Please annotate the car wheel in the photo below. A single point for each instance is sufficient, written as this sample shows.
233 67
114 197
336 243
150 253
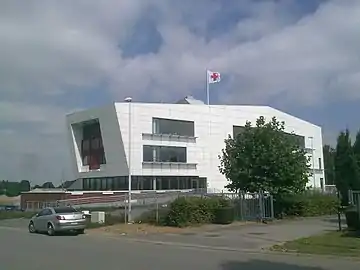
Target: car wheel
32 228
50 230
81 231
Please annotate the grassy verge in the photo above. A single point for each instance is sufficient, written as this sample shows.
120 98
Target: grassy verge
331 243
15 214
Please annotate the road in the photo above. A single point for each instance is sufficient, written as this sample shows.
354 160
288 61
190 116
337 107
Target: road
21 250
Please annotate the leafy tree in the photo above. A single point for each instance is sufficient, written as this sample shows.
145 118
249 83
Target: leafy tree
48 185
264 158
24 185
346 167
11 188
329 164
356 148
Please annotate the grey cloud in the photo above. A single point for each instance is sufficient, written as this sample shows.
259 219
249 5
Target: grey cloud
52 49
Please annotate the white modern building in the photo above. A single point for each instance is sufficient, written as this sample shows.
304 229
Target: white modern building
168 146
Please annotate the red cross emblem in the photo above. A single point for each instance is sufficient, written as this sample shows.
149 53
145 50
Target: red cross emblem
214 76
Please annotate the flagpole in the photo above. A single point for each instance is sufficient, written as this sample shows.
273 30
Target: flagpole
207 88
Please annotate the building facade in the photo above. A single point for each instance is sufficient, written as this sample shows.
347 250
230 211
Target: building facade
168 146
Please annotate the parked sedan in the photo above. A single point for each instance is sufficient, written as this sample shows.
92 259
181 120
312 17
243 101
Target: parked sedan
58 219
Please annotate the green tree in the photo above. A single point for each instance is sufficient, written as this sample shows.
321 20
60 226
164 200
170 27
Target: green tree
48 185
24 185
264 158
12 188
329 164
346 167
356 148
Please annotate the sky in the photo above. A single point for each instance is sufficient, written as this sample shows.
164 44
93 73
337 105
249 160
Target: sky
300 56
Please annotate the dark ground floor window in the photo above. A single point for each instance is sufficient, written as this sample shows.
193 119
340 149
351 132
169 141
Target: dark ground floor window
145 183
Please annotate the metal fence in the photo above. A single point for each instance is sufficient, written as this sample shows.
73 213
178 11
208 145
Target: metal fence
248 206
354 198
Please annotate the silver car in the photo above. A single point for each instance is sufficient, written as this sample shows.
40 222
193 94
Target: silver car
58 219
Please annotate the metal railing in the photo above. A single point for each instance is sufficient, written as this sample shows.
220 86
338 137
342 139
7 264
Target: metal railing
247 206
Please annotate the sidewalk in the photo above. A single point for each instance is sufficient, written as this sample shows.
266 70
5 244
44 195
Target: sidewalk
247 237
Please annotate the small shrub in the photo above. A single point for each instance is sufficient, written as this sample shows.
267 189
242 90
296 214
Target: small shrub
352 218
155 217
224 215
306 204
194 210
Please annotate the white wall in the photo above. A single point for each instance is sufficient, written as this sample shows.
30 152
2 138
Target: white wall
212 125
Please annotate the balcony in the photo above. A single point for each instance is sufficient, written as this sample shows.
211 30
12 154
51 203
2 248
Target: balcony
168 165
168 137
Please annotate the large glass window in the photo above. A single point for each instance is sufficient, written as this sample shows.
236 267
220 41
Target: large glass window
299 140
173 127
92 150
144 183
153 153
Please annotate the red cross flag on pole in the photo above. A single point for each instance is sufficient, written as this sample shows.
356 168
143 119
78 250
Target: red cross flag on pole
211 77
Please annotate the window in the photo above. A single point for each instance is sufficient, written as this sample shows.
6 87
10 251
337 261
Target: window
42 212
322 183
237 130
103 183
64 210
164 154
298 139
92 150
173 127
320 165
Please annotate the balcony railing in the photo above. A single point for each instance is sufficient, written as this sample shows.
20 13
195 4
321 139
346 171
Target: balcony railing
168 165
168 137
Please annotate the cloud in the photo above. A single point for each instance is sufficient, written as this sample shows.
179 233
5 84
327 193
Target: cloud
60 55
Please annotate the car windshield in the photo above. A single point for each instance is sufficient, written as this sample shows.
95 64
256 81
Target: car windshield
64 210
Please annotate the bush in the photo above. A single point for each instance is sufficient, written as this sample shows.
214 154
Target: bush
194 210
352 218
224 215
152 218
307 204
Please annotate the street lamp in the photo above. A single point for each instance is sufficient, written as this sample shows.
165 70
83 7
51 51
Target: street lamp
313 159
128 100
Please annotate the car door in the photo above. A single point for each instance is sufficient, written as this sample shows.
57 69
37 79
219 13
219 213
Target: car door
37 220
45 218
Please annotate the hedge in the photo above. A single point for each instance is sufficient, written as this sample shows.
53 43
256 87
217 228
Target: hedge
307 204
352 218
194 210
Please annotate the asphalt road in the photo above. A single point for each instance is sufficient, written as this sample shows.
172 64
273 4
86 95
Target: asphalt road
20 250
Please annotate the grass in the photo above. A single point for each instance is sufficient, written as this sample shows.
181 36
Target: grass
330 243
15 214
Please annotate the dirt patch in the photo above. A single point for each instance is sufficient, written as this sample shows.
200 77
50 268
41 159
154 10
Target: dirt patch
136 229
143 229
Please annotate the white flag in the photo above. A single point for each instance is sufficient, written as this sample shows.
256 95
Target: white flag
213 77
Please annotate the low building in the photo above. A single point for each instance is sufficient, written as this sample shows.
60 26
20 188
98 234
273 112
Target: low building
169 146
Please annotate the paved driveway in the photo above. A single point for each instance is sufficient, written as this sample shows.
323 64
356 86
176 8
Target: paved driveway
20 250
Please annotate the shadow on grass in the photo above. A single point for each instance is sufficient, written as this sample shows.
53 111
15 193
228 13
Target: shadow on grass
260 265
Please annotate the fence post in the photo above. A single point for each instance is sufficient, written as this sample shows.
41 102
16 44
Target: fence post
157 208
351 198
272 207
125 210
261 205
